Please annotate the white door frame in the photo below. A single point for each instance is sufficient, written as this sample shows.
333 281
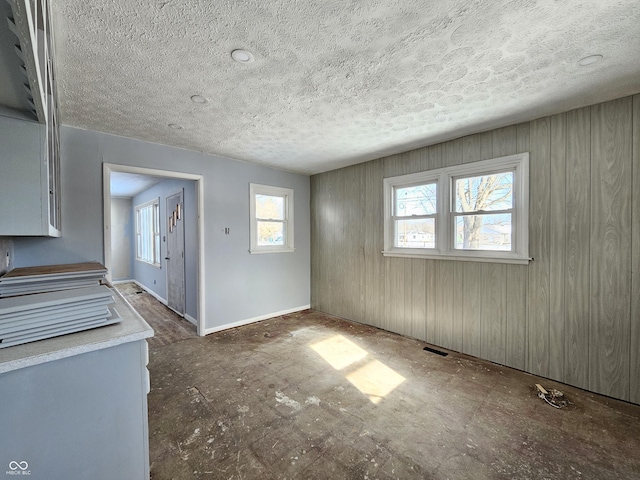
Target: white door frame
107 168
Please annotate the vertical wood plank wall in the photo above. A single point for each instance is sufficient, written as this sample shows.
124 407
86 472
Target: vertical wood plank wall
572 314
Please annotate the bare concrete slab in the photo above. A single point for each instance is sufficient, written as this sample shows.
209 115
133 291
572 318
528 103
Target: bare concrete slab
308 395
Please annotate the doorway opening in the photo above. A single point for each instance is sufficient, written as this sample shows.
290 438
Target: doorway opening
185 298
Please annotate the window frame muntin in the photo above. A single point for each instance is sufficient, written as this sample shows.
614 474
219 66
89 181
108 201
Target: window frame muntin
519 163
288 221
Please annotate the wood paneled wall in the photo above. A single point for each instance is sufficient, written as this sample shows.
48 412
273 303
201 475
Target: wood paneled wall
572 314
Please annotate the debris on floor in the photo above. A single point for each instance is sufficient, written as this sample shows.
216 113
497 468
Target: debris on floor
292 402
553 397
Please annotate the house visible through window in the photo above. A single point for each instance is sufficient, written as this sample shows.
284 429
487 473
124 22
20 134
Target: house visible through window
476 211
415 216
148 232
271 219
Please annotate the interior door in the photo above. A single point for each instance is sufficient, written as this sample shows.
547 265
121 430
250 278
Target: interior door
175 252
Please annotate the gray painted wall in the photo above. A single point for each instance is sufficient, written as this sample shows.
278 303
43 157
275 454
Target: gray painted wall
572 314
238 285
121 239
154 278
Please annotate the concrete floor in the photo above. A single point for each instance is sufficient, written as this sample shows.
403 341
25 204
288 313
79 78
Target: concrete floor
310 396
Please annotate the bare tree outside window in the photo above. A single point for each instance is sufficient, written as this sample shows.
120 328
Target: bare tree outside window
486 205
476 211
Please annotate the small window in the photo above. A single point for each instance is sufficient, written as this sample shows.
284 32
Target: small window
271 226
476 211
148 232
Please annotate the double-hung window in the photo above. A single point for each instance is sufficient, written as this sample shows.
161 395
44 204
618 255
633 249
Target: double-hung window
483 211
475 211
271 211
148 232
414 215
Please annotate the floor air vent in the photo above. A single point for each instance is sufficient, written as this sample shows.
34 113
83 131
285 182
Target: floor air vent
437 352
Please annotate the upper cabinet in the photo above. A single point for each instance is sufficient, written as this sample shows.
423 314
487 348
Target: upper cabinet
29 150
24 180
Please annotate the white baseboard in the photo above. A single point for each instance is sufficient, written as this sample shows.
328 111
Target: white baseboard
151 292
163 301
119 282
191 319
227 326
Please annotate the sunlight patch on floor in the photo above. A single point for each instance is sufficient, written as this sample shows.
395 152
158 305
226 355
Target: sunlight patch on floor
374 379
339 352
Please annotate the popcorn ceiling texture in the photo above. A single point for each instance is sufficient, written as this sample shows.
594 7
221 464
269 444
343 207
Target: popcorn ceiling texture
334 82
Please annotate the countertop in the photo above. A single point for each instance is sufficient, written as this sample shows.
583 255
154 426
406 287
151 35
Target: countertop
130 329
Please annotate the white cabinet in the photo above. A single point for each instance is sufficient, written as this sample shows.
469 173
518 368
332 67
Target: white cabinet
24 180
31 23
29 151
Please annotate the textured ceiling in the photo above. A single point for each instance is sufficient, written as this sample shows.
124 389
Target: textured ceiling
334 82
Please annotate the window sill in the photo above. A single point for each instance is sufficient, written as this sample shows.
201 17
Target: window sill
514 260
279 250
157 265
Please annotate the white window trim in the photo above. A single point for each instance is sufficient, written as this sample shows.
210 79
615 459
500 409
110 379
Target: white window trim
287 193
136 209
444 225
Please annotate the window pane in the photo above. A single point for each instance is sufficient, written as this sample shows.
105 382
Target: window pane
416 200
486 192
156 257
270 233
156 219
419 233
269 207
483 232
147 234
144 232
